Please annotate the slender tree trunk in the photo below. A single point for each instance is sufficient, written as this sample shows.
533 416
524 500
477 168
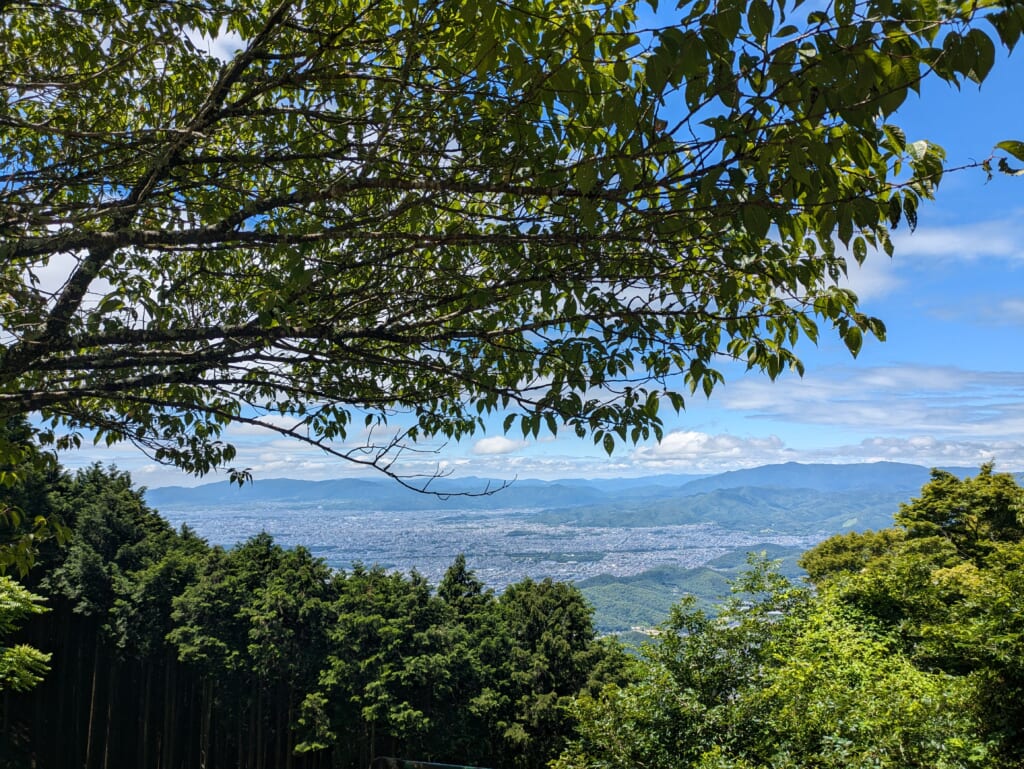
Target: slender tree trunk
111 682
261 738
241 742
147 703
66 688
168 735
79 716
206 705
279 709
289 743
92 704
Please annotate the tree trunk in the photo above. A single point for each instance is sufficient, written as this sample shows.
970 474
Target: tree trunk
168 733
261 748
92 705
207 721
147 701
111 682
289 743
241 742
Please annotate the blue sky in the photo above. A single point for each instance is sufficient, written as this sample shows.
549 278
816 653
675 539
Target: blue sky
946 388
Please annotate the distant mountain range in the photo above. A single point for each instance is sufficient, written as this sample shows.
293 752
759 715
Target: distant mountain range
874 476
812 501
781 497
385 494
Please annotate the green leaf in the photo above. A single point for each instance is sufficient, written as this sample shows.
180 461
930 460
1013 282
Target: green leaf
110 304
727 21
897 138
895 211
986 54
692 56
656 70
918 149
586 177
910 210
860 250
1015 148
844 11
627 172
761 18
756 219
854 339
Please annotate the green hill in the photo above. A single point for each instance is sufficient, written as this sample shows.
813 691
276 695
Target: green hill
743 508
643 600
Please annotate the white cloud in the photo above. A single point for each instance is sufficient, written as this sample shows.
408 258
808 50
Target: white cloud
1005 312
238 430
697 452
682 451
497 444
1000 238
873 279
931 400
881 275
928 451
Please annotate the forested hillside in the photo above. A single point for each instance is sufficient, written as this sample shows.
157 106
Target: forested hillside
156 650
166 652
907 652
645 599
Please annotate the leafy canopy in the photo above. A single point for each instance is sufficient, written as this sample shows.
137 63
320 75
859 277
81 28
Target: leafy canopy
305 213
21 666
780 677
945 584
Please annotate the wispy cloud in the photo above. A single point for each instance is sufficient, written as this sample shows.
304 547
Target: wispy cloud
694 452
682 451
930 400
933 452
1002 312
880 275
497 444
997 238
691 451
875 278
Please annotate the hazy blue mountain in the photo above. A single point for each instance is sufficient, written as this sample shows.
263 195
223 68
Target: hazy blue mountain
748 508
648 485
773 497
877 476
381 494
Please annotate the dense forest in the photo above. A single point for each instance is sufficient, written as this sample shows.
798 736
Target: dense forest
904 649
168 653
131 644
